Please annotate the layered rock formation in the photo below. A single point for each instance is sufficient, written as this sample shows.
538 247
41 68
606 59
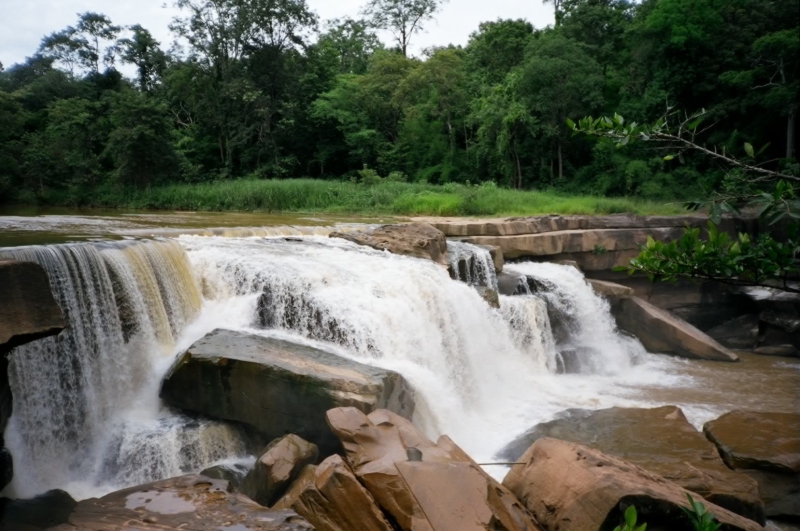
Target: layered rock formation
278 387
765 447
279 465
570 487
660 440
420 240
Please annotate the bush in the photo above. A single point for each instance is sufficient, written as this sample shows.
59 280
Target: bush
397 177
368 177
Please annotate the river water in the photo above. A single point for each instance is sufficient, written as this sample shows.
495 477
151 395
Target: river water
139 288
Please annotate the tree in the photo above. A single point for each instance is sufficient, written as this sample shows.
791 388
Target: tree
65 47
97 31
142 50
558 8
403 18
497 47
353 42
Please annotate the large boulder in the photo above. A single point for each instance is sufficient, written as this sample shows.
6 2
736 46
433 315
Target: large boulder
740 332
278 387
41 512
279 465
766 447
610 290
422 485
330 497
188 503
420 240
570 487
660 440
660 331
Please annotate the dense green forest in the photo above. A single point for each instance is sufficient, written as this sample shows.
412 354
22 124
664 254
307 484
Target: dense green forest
262 89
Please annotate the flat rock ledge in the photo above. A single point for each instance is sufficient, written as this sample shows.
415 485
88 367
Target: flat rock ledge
278 387
420 240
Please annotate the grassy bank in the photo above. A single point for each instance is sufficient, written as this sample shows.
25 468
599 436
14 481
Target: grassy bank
310 195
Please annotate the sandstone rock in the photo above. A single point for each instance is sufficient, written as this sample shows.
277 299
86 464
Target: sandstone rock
512 284
278 387
786 351
279 465
570 263
570 487
489 295
420 240
766 447
330 497
188 503
659 440
610 290
741 332
46 510
422 485
497 257
233 474
659 331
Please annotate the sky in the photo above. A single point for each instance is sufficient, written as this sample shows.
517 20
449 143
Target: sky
24 22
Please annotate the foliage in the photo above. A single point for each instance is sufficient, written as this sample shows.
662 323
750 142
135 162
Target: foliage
403 18
701 519
630 521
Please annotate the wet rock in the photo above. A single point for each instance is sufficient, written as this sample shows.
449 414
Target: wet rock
46 510
419 484
789 322
489 295
188 503
420 240
786 351
659 440
569 263
570 487
740 332
233 474
279 465
497 257
766 447
610 290
660 331
330 497
512 284
277 386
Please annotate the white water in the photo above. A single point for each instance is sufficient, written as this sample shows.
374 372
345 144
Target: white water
471 264
86 413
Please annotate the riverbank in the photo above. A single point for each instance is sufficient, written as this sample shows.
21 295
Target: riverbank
386 198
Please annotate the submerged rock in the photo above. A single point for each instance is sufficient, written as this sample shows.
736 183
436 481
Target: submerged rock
330 497
660 440
279 465
660 331
419 240
188 503
570 487
766 447
423 485
277 386
784 351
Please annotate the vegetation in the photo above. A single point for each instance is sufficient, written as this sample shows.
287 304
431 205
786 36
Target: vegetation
700 518
259 91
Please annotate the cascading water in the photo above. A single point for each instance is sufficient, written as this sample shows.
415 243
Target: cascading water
588 340
471 264
86 410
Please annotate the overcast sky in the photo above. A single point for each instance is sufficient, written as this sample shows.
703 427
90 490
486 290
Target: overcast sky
24 22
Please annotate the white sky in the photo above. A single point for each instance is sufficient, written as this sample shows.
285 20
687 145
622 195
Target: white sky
23 23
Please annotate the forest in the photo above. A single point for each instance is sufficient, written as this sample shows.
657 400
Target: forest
262 90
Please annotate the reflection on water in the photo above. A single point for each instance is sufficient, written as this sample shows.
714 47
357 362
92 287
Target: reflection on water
40 226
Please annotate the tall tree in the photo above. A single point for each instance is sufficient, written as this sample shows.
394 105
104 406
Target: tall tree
99 34
142 50
354 42
403 18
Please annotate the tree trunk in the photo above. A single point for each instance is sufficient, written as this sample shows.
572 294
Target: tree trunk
551 170
790 128
560 163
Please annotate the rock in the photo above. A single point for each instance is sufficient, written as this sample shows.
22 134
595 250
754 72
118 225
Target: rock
233 474
497 257
46 510
512 284
330 497
279 465
789 322
188 503
660 331
419 484
489 295
420 240
659 440
609 289
569 263
277 386
766 447
570 487
787 351
28 310
740 332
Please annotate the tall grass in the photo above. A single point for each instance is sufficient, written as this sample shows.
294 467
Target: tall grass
312 195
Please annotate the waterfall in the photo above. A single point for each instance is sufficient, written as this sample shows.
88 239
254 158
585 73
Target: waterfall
471 264
86 404
588 339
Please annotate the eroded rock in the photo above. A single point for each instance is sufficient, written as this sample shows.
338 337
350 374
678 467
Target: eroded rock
330 497
660 440
188 503
610 289
766 447
422 485
279 465
740 332
277 386
571 487
660 331
233 474
420 240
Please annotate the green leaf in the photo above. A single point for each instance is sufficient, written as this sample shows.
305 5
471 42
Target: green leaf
669 157
570 124
749 150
